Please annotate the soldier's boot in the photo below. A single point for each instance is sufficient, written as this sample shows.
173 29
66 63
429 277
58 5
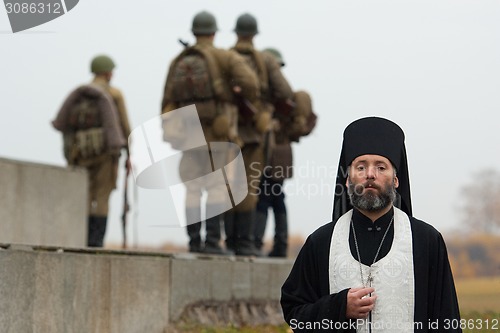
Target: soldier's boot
244 225
229 230
193 229
96 230
213 237
260 228
280 245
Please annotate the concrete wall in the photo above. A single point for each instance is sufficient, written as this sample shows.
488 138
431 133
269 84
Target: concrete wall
69 290
219 280
50 283
42 205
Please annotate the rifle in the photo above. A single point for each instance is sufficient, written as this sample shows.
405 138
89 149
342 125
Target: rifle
285 107
184 43
245 108
126 205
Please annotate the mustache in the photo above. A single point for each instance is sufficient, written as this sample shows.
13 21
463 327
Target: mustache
370 184
359 188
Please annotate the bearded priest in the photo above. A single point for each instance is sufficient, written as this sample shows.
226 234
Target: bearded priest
374 268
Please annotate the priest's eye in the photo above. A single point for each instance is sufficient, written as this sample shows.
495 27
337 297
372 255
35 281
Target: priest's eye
360 168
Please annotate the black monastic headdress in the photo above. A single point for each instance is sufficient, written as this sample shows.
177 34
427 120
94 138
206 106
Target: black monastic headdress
374 136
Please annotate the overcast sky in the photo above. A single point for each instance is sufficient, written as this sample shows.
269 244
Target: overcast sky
433 67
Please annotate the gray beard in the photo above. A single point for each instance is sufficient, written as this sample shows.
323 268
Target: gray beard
371 202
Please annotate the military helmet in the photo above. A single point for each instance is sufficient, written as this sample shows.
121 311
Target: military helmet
277 55
101 64
204 24
246 25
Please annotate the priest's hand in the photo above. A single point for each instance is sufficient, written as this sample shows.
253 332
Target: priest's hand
359 302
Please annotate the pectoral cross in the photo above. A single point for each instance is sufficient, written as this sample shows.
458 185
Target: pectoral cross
369 281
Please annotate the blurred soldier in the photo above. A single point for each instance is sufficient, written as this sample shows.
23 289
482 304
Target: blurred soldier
271 193
254 129
207 77
95 126
291 119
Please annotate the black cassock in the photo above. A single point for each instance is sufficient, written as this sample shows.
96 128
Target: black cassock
306 298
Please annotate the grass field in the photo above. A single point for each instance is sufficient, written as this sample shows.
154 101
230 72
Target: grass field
479 295
479 301
259 329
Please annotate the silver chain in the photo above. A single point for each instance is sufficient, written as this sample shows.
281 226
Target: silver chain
370 278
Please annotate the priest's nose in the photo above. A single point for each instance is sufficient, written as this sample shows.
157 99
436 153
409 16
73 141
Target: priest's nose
371 172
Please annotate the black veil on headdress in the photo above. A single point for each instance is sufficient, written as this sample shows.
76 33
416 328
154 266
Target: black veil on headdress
374 136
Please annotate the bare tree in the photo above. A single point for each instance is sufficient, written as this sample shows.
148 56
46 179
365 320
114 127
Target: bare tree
481 202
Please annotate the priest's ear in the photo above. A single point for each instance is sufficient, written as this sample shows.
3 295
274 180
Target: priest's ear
396 180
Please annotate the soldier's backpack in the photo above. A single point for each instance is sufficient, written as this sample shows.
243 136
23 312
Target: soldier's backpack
195 78
256 62
85 135
303 117
191 78
85 113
